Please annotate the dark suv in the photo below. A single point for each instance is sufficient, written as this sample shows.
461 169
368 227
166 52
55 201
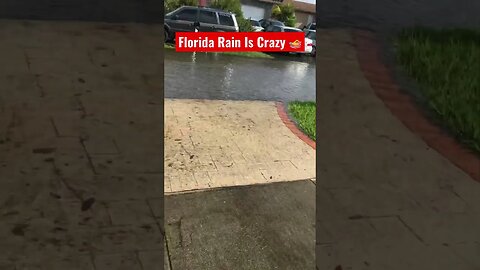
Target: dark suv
187 19
267 24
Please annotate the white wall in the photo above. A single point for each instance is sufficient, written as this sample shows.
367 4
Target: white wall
253 12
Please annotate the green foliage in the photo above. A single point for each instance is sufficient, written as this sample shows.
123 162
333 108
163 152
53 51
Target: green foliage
244 25
235 7
171 5
285 13
276 11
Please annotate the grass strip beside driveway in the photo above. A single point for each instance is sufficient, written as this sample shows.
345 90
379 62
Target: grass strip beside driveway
304 114
446 65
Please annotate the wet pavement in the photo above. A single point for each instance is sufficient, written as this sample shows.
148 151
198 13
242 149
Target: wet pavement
76 192
388 14
386 200
256 227
227 77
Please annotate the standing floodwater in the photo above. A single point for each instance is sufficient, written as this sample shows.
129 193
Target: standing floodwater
221 76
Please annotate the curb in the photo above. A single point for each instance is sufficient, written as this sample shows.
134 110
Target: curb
403 107
282 113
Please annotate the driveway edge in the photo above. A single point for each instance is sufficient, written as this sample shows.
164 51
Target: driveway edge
403 107
282 113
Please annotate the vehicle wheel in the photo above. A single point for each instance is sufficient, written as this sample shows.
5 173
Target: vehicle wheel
314 51
167 36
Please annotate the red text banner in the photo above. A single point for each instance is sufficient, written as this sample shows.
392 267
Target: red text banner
240 41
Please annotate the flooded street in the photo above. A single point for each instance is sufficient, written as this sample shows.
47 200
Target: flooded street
227 77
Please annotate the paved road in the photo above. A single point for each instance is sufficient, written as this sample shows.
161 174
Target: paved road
216 76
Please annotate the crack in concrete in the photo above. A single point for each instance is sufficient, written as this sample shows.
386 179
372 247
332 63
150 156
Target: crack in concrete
411 230
89 158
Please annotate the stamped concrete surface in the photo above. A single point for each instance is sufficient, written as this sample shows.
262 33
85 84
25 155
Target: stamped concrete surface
210 144
257 227
385 200
80 179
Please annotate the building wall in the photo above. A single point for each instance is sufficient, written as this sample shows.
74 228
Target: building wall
375 15
144 11
303 18
266 6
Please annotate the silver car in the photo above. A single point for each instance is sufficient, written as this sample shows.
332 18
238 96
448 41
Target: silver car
312 35
257 27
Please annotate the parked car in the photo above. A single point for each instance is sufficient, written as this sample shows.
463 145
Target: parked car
308 41
268 23
188 18
312 35
310 26
257 27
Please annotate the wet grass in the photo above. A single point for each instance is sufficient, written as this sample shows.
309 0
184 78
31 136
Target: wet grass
242 54
446 65
305 116
249 54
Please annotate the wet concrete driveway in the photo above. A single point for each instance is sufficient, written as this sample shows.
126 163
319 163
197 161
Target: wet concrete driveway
227 77
251 227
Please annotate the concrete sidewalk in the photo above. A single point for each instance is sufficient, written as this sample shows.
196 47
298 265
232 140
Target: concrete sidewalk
211 144
233 199
385 200
254 227
80 184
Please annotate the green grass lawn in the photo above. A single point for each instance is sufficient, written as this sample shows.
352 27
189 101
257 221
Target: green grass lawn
242 54
305 116
446 65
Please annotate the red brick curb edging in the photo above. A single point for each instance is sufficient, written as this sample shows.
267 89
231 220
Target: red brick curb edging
282 113
404 108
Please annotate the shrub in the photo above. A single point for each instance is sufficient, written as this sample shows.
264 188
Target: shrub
235 7
285 13
171 5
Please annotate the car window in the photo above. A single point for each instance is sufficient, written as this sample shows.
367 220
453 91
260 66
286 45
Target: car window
311 35
276 29
187 15
277 23
226 19
254 23
292 30
208 17
313 26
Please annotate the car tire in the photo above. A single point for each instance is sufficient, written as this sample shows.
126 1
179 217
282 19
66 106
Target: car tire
167 36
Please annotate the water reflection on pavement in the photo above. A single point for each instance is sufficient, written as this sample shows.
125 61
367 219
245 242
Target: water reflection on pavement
226 77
